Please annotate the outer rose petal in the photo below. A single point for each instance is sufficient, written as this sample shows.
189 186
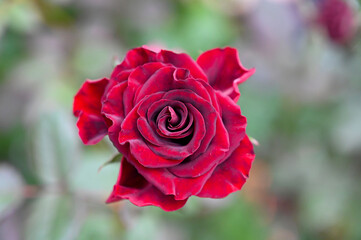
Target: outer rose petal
224 70
233 121
131 185
230 176
133 59
87 106
168 183
92 128
140 56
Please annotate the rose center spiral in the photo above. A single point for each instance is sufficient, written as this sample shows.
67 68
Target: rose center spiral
174 122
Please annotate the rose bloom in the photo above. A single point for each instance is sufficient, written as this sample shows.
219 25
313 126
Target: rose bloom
176 123
338 19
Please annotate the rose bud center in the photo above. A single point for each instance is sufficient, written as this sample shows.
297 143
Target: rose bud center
174 122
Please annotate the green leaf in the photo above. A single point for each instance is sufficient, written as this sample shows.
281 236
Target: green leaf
117 158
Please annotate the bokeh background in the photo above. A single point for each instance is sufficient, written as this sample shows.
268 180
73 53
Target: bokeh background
303 106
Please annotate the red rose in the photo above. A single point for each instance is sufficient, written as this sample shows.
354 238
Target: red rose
338 19
175 121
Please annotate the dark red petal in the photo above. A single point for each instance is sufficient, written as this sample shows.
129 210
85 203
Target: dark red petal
142 73
180 152
88 98
92 128
122 76
233 121
131 185
181 74
141 151
148 157
160 81
205 108
150 133
157 121
133 59
165 79
224 70
230 176
202 161
113 106
179 131
169 184
182 60
129 129
87 106
136 80
212 96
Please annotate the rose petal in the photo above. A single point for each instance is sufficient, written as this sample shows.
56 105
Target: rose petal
233 121
180 152
151 136
130 133
182 60
131 185
230 176
212 96
87 106
165 79
133 59
129 125
202 161
113 106
224 70
205 108
183 129
88 98
158 134
148 157
92 128
153 112
136 79
169 184
160 81
142 73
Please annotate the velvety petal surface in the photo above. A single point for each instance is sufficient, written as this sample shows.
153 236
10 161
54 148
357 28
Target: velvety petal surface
87 106
92 128
167 79
230 176
113 106
214 143
233 121
224 70
168 183
204 160
182 60
131 185
133 59
138 145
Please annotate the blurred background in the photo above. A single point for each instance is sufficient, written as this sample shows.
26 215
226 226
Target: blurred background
303 106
